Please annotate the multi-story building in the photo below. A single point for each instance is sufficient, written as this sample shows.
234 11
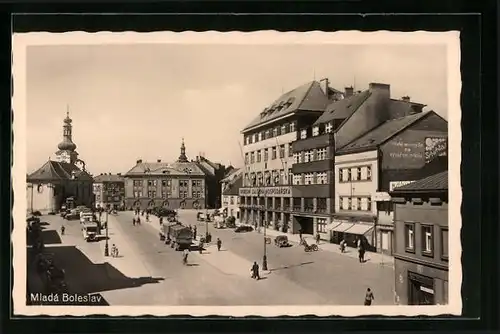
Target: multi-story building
57 182
109 191
230 195
421 252
181 184
214 173
399 150
266 194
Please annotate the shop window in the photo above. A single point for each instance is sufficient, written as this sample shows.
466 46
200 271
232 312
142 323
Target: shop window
410 237
321 223
444 244
427 240
290 150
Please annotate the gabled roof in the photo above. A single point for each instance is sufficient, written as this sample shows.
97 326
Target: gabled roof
436 182
382 133
160 168
307 97
57 171
232 174
344 108
234 186
108 178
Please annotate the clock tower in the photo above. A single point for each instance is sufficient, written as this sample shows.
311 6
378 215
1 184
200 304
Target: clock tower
67 149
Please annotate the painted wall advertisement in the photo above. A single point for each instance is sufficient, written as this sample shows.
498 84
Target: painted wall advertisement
406 150
435 147
267 191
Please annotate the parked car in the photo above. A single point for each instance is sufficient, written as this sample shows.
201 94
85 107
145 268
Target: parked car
200 216
73 215
230 222
243 228
281 241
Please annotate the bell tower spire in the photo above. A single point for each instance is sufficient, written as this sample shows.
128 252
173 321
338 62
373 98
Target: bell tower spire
67 149
182 156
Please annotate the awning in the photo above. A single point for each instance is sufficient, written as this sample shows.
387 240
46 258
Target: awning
342 227
359 229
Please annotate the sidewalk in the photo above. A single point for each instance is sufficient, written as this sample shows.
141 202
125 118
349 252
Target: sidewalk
127 261
382 259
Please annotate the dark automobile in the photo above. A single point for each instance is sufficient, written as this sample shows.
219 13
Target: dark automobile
243 228
231 222
281 241
73 215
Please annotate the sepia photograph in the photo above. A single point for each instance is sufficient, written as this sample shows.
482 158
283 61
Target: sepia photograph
267 173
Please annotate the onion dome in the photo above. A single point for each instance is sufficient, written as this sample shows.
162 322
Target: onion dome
66 145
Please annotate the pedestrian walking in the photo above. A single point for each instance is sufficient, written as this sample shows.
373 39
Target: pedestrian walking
200 247
161 221
133 221
255 271
194 232
369 297
300 235
62 230
318 238
342 246
147 217
219 244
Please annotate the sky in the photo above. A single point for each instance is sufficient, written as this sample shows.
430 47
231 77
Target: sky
133 101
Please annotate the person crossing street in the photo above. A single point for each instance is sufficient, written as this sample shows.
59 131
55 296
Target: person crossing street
219 244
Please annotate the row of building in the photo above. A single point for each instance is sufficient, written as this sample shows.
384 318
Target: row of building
182 184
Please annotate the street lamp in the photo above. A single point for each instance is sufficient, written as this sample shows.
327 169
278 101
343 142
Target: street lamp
106 246
264 258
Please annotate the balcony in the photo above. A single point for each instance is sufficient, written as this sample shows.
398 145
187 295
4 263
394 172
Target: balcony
313 142
313 166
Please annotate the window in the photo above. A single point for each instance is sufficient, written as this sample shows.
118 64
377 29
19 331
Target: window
321 154
349 177
321 223
137 183
275 132
282 177
328 127
273 156
311 155
290 150
247 140
357 173
151 194
290 176
368 172
246 158
410 237
260 136
349 203
303 134
283 129
309 178
163 194
231 200
321 178
444 244
292 127
259 156
166 183
252 157
266 154
315 131
368 204
427 240
260 180
282 151
296 158
253 138
297 179
267 134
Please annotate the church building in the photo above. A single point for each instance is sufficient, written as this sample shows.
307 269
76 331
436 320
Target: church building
62 181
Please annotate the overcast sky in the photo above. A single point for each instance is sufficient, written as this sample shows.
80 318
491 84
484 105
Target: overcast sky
138 101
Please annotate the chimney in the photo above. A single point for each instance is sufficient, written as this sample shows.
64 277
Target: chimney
324 84
406 98
139 161
381 89
159 160
349 91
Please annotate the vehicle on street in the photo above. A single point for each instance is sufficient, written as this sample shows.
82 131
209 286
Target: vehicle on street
165 231
200 216
219 221
309 248
243 228
86 217
281 241
181 237
72 215
230 222
90 231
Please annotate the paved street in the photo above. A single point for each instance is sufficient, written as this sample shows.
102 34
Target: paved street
148 272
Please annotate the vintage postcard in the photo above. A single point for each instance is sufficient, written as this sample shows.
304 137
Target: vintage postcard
262 173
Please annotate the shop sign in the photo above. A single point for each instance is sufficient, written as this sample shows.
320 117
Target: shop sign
267 191
395 184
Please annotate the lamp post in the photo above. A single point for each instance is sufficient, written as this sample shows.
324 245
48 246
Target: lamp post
106 246
264 257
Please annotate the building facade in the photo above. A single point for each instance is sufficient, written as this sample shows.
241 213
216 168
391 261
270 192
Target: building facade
266 194
421 252
230 195
214 173
109 191
181 184
55 182
394 153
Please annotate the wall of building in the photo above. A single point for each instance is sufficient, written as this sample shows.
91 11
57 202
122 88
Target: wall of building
40 197
362 188
232 204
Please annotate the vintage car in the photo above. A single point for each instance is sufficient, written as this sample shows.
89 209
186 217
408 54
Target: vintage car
230 222
72 215
281 241
200 216
243 228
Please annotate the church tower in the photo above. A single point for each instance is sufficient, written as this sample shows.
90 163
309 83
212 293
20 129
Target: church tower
183 157
67 149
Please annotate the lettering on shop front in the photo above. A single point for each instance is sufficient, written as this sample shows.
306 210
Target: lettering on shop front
269 191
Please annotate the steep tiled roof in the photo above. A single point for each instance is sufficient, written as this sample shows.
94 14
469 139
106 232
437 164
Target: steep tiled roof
234 186
232 174
382 133
159 168
56 171
436 182
400 108
344 108
306 97
108 178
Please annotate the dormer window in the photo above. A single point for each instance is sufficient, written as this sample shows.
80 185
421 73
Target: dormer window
328 127
292 127
315 131
303 134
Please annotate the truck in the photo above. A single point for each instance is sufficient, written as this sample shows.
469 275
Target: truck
177 235
90 230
